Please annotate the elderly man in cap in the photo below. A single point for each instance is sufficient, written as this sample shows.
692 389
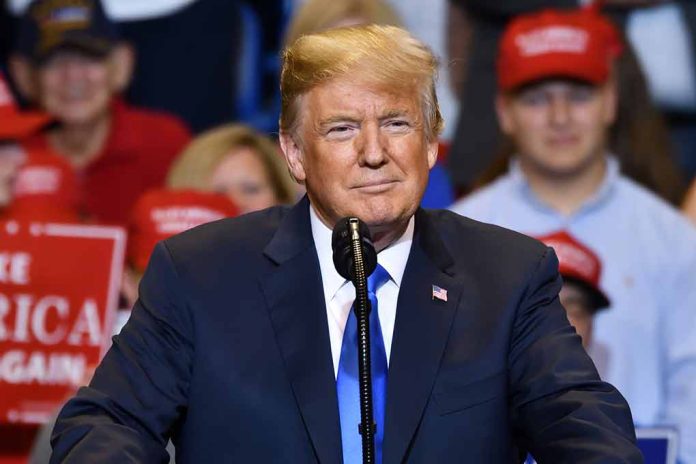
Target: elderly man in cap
242 346
70 60
33 185
557 102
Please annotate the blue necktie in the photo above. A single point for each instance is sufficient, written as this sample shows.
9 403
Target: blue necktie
347 380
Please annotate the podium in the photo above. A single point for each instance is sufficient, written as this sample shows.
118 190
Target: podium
659 445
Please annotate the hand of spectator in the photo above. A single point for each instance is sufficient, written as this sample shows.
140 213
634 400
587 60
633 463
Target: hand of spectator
689 206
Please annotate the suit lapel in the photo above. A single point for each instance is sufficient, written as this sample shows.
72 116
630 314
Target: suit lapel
297 309
420 335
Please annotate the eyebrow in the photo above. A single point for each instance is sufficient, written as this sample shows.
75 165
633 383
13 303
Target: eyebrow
337 119
346 118
393 114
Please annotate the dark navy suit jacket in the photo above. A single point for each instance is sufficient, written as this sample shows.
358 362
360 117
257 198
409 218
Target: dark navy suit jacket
227 351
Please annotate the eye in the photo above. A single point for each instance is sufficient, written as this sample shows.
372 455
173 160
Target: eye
398 125
252 188
581 94
340 132
339 129
533 98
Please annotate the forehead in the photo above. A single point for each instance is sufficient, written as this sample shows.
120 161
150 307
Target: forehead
72 53
242 155
555 84
351 97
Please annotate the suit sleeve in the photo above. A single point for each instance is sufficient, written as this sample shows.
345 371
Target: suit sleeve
562 411
140 388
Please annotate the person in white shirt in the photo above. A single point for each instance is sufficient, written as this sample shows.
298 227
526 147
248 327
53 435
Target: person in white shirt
557 103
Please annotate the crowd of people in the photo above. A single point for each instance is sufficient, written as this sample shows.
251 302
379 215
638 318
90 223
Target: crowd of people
566 131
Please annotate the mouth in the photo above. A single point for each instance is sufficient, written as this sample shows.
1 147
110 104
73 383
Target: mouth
563 140
375 186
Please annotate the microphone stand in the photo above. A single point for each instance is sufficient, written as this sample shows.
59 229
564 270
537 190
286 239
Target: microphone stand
362 307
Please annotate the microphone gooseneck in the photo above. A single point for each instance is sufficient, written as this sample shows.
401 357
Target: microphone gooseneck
355 258
347 234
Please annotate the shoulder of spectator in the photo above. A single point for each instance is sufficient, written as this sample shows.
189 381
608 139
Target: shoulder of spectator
154 122
487 247
479 203
242 238
673 228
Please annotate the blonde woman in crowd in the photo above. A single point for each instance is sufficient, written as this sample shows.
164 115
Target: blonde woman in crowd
319 15
239 162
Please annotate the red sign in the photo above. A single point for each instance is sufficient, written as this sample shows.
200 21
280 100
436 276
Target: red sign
59 288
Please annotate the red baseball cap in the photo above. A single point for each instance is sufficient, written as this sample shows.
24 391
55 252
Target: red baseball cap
159 214
578 264
45 190
579 44
17 124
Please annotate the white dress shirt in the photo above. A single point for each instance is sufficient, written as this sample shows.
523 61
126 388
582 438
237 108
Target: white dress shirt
339 293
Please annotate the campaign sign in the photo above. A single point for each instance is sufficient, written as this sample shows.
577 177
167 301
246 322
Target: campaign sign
59 288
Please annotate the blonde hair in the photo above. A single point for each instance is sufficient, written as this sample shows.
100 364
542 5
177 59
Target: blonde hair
194 166
387 56
319 15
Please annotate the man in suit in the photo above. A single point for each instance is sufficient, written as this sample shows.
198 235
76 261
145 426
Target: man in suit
235 348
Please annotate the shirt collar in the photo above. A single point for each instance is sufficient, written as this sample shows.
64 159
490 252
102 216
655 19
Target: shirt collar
393 258
519 181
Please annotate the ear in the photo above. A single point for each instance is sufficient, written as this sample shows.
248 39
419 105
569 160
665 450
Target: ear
502 109
294 156
611 98
432 153
24 76
122 60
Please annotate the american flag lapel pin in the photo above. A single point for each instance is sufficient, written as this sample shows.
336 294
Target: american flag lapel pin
439 293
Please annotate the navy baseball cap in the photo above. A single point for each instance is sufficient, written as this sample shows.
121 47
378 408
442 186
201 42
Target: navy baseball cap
51 25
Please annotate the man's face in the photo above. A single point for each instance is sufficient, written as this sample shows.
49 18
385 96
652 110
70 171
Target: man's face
361 151
11 157
559 126
578 309
75 88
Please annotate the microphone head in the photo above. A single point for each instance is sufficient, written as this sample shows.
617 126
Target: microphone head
341 242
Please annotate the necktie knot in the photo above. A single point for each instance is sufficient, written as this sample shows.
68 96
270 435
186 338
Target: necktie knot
379 277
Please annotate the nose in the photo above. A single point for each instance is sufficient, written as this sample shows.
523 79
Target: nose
72 69
559 113
372 146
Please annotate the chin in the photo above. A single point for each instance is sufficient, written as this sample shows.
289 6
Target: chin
384 219
561 165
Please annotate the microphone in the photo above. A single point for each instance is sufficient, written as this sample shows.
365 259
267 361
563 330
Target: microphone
355 258
348 236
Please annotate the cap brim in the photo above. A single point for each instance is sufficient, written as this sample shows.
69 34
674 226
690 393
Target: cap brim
93 46
598 299
23 125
